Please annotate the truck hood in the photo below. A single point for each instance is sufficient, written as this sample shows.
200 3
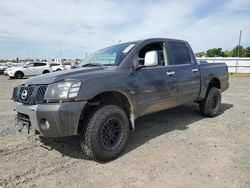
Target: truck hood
78 74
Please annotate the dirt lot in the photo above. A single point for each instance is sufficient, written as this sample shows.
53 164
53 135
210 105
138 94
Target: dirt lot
174 148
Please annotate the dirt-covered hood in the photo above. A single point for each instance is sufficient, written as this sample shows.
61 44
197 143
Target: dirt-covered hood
78 74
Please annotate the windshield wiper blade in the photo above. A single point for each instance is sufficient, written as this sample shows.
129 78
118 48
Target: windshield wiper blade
92 65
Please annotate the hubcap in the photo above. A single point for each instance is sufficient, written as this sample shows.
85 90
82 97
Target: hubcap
112 133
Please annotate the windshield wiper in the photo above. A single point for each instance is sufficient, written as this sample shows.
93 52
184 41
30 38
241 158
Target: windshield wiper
92 65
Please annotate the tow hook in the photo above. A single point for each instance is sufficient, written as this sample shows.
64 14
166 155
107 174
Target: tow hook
22 124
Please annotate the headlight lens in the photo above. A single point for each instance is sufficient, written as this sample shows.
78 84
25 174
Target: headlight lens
62 90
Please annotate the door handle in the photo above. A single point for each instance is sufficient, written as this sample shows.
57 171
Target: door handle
195 70
170 73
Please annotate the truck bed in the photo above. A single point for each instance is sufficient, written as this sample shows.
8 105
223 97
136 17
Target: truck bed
213 70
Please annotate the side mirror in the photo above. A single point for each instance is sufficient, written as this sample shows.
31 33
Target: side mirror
151 59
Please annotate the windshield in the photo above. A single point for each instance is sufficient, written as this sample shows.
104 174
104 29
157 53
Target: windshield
111 56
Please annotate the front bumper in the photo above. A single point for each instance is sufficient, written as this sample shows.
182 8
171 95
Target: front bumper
11 73
63 118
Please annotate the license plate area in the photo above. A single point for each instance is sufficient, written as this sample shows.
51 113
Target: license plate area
23 120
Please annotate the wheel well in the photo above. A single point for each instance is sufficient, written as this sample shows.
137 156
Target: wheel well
111 98
107 98
45 71
215 82
19 72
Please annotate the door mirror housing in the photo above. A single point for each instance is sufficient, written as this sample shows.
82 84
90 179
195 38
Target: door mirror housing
151 59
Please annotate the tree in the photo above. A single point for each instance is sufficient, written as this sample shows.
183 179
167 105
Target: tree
200 54
234 51
227 53
247 52
215 52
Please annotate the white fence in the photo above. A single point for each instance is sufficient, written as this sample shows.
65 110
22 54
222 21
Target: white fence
235 64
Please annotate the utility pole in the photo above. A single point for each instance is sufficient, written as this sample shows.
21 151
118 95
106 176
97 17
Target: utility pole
237 61
239 44
60 50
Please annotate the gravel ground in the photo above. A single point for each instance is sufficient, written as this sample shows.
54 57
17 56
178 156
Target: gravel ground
173 148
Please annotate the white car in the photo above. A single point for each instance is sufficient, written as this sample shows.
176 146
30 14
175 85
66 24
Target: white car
57 67
29 69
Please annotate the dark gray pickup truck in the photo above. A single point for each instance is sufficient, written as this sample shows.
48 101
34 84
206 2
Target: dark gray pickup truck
100 99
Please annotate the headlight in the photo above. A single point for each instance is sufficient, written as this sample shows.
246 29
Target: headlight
62 90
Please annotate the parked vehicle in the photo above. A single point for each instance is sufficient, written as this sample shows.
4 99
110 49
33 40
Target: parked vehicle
29 69
57 67
100 100
202 61
2 68
5 66
67 65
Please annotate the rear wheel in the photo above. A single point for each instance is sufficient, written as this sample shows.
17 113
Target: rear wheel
104 133
210 106
19 75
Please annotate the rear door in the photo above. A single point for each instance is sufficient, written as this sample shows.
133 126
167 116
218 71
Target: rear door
181 59
39 68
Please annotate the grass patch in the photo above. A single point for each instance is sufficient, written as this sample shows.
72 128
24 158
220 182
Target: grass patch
232 75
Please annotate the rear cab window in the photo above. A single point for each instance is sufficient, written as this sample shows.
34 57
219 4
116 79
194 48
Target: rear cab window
178 53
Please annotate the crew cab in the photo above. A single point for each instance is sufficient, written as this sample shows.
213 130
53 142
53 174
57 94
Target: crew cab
29 69
100 100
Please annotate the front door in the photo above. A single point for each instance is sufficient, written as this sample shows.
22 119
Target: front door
157 88
29 69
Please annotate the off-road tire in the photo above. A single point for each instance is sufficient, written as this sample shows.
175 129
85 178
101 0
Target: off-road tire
210 106
19 75
91 134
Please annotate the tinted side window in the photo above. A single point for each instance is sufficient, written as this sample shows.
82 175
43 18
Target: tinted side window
39 64
54 64
179 53
29 65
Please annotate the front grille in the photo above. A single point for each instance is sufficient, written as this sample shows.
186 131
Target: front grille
39 97
30 94
28 98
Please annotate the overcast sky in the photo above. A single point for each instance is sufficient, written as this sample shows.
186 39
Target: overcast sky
39 28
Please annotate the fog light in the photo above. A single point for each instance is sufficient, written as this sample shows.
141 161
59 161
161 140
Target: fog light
44 124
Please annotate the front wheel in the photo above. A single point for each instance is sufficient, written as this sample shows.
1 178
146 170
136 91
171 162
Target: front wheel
210 106
19 75
104 133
